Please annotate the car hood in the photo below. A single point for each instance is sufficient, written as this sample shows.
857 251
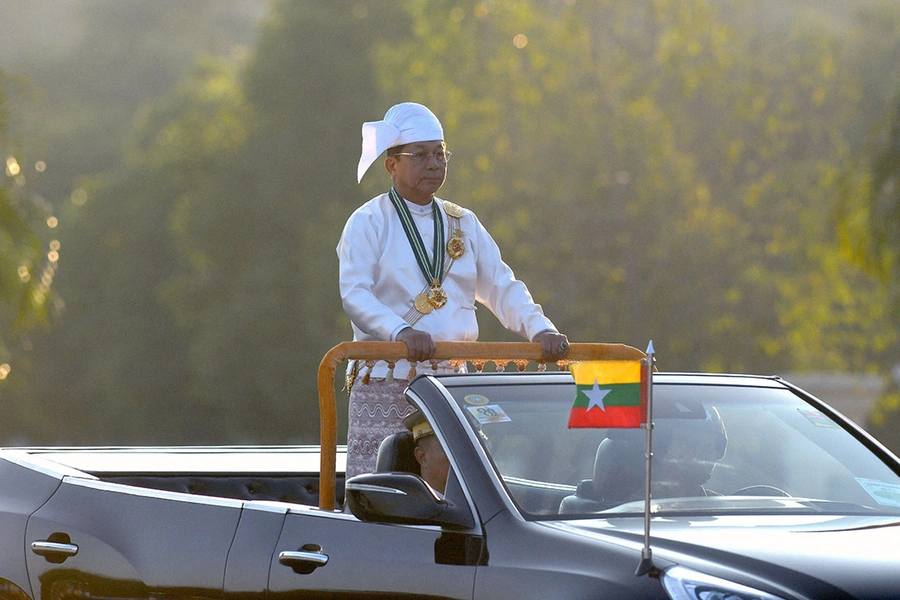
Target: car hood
857 554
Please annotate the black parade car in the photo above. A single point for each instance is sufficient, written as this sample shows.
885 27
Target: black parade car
758 491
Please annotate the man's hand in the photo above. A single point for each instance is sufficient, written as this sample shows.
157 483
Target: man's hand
419 344
554 346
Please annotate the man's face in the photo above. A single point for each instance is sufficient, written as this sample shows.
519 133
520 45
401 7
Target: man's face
415 178
433 462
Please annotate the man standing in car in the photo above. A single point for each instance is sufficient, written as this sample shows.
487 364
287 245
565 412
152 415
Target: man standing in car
412 267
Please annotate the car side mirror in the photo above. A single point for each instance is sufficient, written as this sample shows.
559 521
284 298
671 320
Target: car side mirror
402 498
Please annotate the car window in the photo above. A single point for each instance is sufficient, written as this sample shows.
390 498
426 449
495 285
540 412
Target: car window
716 448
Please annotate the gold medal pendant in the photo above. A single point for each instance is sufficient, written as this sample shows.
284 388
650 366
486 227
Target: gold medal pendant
423 303
456 247
437 297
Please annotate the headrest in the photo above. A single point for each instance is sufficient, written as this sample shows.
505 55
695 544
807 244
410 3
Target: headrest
396 454
619 466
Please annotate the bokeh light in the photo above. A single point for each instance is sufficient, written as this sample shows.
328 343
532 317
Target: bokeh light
78 197
12 167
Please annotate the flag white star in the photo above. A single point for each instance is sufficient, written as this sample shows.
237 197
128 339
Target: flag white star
595 397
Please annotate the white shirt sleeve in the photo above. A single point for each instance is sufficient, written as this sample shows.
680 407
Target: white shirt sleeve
359 252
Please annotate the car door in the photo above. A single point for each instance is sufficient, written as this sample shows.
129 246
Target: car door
335 555
23 491
101 540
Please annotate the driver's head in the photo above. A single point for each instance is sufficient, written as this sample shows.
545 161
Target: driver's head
686 450
429 452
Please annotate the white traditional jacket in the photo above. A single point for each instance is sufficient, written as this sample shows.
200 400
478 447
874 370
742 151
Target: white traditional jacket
380 278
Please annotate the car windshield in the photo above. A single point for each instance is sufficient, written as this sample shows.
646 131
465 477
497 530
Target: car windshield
716 448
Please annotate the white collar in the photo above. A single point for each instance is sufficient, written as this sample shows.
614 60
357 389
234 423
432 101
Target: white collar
418 209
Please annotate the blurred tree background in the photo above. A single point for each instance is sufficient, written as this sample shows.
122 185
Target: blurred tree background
718 176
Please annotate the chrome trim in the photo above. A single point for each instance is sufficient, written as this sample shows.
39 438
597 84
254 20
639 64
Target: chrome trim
288 557
367 487
43 548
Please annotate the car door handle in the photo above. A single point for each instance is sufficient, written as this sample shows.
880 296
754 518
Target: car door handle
55 552
305 560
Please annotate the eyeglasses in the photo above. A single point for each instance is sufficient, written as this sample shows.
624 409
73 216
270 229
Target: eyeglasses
421 158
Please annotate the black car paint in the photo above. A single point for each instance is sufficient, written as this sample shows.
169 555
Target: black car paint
139 543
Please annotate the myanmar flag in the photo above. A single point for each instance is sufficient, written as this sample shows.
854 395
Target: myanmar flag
609 394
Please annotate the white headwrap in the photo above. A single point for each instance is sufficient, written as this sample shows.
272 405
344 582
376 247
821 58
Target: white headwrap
403 123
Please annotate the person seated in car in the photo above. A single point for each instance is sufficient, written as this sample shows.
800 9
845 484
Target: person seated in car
685 453
429 452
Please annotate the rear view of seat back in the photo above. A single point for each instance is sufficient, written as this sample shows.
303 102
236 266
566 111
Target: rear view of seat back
619 475
619 467
396 453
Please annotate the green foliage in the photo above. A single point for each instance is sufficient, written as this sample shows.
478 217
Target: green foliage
201 267
649 170
869 212
656 170
117 365
125 259
881 207
26 268
884 422
870 217
257 294
20 250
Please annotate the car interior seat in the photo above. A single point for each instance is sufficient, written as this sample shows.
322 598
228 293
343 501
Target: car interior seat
618 477
396 453
620 467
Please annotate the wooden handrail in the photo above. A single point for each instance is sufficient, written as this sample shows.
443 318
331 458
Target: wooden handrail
497 352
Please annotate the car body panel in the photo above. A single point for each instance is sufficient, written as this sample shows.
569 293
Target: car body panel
369 559
715 544
250 557
542 561
131 543
32 488
801 544
507 535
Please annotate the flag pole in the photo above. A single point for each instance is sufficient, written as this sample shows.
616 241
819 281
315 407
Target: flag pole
646 564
